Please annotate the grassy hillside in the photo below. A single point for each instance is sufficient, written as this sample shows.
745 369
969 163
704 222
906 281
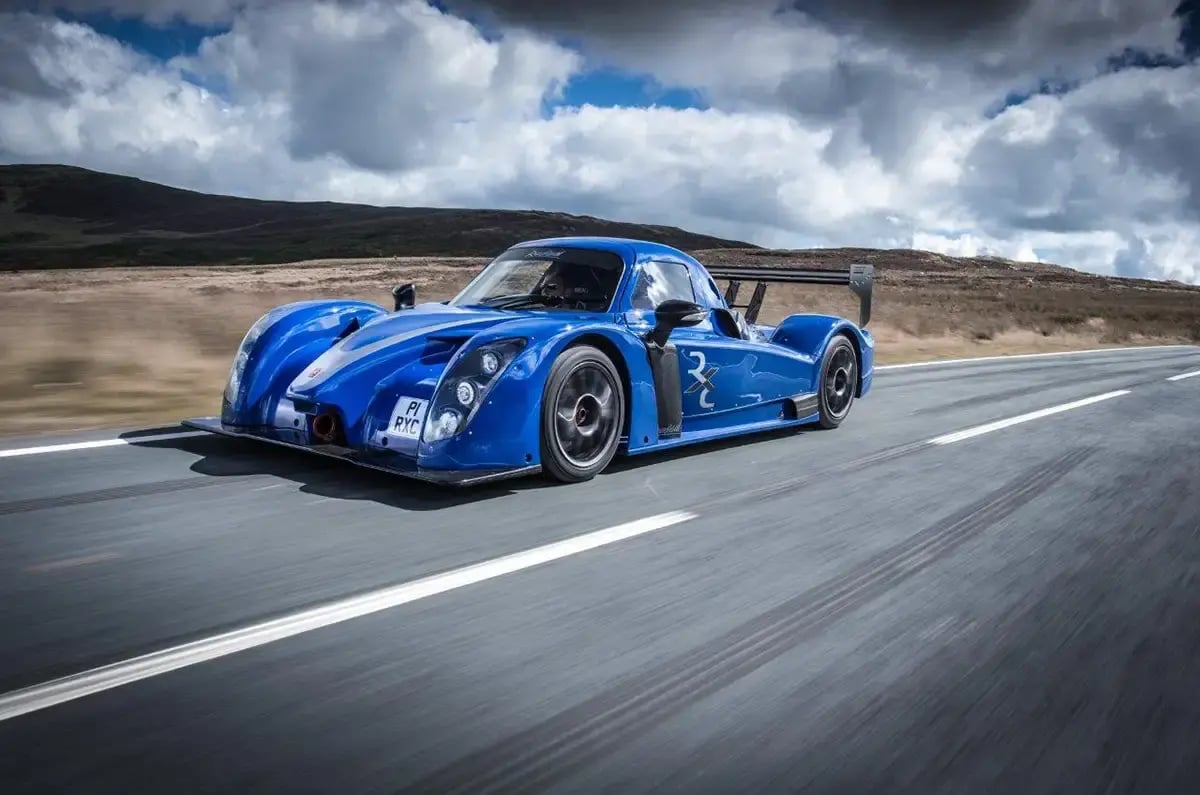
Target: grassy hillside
61 216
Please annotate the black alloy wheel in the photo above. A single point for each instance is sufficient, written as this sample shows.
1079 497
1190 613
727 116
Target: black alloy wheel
583 406
838 382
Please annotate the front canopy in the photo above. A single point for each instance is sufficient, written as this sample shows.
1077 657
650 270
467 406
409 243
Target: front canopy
555 277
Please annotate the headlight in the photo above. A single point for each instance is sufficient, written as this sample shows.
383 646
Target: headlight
489 362
443 426
465 386
242 357
465 393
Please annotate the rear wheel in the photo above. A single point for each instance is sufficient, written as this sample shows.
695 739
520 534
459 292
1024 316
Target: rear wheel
582 409
838 382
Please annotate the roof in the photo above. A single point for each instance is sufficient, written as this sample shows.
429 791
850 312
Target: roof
626 247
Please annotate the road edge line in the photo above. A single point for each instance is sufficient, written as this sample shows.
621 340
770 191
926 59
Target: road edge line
1020 356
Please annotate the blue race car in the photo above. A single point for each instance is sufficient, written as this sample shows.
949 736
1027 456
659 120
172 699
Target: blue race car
559 355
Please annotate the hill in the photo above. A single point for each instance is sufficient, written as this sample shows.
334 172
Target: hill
60 216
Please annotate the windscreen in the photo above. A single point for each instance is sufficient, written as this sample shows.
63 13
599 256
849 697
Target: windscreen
578 279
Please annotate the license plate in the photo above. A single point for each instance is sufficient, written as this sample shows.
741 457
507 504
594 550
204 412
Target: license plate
407 417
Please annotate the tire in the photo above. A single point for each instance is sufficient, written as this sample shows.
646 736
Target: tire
580 427
837 383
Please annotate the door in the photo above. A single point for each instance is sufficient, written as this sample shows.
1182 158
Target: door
725 379
730 381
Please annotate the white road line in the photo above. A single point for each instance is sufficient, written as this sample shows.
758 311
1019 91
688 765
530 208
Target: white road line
97 680
979 430
60 448
1019 356
1182 376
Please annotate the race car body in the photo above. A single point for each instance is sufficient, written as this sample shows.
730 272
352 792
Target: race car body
559 355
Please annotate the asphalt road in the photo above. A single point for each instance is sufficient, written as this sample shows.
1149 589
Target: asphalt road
880 607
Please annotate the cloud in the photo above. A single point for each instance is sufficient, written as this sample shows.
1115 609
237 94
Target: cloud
381 85
103 105
1000 39
849 125
1151 121
1009 37
201 12
1115 156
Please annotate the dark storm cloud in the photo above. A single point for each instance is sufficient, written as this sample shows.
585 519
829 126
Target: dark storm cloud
999 35
963 25
923 21
932 20
952 23
155 11
865 102
1189 34
1158 130
1119 154
583 18
19 74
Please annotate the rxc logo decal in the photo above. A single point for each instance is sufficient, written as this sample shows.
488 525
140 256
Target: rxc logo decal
703 379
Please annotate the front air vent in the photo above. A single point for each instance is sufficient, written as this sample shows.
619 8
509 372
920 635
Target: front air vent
439 351
350 328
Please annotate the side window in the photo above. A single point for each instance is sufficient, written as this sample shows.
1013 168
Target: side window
709 293
660 281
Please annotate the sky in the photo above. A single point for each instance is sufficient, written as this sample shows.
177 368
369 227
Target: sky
1063 131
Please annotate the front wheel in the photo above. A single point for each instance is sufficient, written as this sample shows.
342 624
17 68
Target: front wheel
838 382
582 408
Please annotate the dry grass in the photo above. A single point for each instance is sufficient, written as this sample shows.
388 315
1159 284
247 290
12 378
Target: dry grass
113 347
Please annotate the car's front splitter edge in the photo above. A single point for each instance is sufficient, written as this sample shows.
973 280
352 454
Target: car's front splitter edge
448 477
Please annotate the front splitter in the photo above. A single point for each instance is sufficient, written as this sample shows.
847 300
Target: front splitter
382 462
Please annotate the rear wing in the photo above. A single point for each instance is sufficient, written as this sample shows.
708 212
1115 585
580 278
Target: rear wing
859 278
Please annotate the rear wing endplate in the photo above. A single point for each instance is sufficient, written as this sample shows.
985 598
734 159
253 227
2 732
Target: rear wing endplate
858 277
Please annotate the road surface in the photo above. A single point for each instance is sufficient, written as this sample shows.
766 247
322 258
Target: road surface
957 591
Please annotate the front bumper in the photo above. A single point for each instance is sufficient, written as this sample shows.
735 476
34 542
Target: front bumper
381 460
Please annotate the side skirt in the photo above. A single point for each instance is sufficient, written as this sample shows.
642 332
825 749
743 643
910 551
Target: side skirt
697 437
805 405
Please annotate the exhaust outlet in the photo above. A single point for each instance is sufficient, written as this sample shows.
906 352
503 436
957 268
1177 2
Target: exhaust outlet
325 427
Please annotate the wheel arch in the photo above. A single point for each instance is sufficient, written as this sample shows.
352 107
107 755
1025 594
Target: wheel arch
290 337
811 334
627 352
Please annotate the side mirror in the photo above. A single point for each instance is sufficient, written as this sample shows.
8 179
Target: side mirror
405 296
673 314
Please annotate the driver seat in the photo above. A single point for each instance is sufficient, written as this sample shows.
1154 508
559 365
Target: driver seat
568 280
